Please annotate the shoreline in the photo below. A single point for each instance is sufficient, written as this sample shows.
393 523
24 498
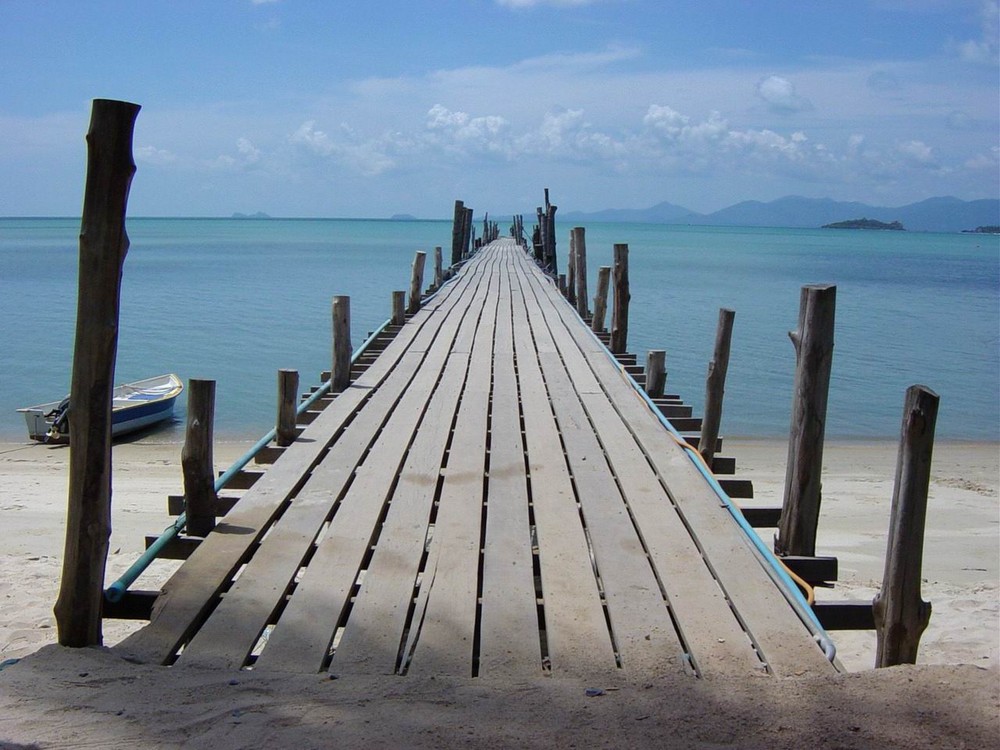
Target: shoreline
961 569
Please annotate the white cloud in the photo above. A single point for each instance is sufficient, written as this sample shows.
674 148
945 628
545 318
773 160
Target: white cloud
154 156
984 50
780 96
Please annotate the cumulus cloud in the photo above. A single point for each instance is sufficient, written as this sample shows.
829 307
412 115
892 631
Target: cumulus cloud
984 50
367 156
154 156
780 96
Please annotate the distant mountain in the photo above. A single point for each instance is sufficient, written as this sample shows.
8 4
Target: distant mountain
946 214
258 215
402 217
661 213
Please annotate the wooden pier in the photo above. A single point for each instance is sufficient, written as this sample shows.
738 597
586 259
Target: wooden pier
491 497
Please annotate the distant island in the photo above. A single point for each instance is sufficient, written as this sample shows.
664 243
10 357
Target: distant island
403 217
983 230
865 224
258 215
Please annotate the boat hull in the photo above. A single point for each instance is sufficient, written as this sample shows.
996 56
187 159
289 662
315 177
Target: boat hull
134 406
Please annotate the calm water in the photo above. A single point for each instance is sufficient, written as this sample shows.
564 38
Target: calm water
235 300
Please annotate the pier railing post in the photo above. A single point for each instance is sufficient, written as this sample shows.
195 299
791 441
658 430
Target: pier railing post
901 616
813 343
571 270
398 308
601 299
340 372
715 386
288 393
438 268
619 313
580 261
197 461
103 246
656 373
469 234
457 233
416 281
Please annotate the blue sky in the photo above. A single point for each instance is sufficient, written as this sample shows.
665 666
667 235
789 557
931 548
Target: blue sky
343 108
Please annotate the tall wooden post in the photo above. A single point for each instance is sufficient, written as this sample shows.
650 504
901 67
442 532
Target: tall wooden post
571 270
416 281
813 343
601 299
398 308
340 373
901 616
656 373
103 247
580 261
715 386
469 232
197 461
457 233
288 393
438 268
619 313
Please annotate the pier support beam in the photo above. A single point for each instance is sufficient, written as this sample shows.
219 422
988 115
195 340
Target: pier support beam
288 392
580 261
656 373
619 314
103 246
398 308
416 281
197 461
715 386
601 299
813 343
340 372
901 616
457 233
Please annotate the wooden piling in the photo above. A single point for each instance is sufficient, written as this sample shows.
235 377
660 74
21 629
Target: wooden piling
469 232
571 270
416 281
901 616
438 268
197 462
601 299
457 233
398 308
103 246
656 373
288 393
813 343
340 372
715 386
580 261
619 313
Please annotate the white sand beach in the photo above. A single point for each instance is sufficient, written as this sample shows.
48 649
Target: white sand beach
961 579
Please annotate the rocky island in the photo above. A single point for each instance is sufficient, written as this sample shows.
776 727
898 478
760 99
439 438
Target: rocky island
865 224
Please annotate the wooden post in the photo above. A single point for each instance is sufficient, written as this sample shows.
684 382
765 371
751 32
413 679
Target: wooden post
340 373
457 233
715 386
469 233
813 343
398 308
900 614
416 281
619 313
438 269
656 374
103 246
601 299
196 458
571 270
288 393
580 261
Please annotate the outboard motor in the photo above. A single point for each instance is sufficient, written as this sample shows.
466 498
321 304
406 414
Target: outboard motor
59 431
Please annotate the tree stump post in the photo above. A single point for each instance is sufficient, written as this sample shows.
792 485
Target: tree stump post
813 343
656 373
601 299
715 386
416 281
901 616
103 247
619 313
580 261
288 393
438 268
398 308
197 461
457 233
340 372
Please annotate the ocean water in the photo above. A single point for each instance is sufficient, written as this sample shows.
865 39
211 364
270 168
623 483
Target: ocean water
235 300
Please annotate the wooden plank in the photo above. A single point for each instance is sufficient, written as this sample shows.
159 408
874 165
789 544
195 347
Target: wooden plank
783 640
509 642
577 635
303 636
192 590
711 633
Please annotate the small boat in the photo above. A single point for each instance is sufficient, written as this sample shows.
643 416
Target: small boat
134 406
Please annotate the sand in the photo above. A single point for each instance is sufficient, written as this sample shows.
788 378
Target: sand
55 697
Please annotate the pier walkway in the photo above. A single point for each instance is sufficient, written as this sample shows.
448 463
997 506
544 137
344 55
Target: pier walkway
491 497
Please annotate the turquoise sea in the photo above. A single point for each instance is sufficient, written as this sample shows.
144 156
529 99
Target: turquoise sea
235 300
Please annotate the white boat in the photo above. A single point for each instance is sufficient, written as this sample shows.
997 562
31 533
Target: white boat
134 406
